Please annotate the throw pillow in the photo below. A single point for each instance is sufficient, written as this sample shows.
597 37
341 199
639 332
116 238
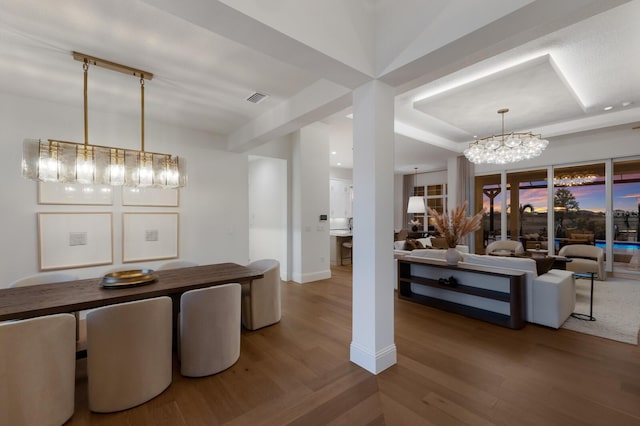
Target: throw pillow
439 243
412 244
409 244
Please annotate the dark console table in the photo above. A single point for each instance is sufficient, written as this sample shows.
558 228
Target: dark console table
496 296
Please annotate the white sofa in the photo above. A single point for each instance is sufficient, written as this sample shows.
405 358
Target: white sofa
550 298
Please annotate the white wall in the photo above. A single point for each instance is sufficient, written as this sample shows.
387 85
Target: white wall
268 211
340 173
310 199
213 207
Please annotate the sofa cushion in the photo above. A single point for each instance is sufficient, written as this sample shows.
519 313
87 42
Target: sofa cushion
398 245
520 263
429 254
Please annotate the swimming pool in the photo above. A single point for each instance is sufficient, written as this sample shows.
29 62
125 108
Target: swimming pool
619 245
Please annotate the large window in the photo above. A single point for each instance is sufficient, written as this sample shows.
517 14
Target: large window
488 195
528 207
579 204
626 212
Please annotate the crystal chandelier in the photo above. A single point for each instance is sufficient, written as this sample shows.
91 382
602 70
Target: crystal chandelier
505 148
70 162
574 179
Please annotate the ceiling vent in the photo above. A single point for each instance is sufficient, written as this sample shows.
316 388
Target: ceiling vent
257 97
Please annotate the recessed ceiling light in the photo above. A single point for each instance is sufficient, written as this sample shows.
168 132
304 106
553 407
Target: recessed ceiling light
333 152
626 103
608 108
339 164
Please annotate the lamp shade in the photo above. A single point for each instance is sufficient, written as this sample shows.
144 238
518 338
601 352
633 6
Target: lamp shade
416 205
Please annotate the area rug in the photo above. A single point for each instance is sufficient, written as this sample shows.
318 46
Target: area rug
616 307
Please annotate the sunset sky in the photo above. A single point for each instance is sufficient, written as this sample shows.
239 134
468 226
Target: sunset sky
625 197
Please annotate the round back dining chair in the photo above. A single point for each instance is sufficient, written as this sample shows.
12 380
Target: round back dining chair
46 278
209 329
261 304
175 264
128 353
58 277
37 369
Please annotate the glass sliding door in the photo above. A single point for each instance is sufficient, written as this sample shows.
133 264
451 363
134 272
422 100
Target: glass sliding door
528 221
579 205
626 212
488 195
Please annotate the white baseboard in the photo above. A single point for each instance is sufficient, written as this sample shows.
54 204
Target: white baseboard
310 277
373 362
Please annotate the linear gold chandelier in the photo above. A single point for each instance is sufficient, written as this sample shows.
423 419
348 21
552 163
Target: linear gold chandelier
53 160
505 147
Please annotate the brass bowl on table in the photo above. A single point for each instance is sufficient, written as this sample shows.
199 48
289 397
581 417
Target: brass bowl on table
130 278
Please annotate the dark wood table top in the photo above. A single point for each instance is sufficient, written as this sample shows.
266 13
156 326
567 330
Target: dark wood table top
47 299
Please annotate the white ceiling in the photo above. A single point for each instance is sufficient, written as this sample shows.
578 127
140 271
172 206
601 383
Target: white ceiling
555 65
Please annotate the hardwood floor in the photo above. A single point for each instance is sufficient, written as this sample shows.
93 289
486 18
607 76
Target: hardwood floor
451 370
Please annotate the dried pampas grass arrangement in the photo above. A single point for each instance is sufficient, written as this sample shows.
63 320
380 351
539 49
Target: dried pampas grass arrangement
458 225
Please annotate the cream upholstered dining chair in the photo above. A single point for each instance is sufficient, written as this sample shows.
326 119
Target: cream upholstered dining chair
261 305
57 277
37 370
514 247
128 353
46 278
209 329
585 258
175 264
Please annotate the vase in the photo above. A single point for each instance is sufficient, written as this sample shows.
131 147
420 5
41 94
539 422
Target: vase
414 228
452 256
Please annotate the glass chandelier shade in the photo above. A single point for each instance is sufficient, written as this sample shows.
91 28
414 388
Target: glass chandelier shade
70 162
505 147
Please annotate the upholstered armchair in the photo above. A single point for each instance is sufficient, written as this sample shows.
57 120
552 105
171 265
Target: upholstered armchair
515 247
585 258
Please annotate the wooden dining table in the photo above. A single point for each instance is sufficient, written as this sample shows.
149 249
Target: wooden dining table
72 296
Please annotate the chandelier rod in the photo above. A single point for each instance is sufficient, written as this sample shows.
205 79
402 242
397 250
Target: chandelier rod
85 67
502 112
142 111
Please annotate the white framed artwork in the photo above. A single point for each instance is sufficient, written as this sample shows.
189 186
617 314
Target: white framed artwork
152 197
149 236
74 240
74 193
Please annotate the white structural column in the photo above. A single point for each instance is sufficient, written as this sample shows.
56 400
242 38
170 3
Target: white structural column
372 345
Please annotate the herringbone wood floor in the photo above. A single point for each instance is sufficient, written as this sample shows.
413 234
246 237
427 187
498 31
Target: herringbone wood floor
451 370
